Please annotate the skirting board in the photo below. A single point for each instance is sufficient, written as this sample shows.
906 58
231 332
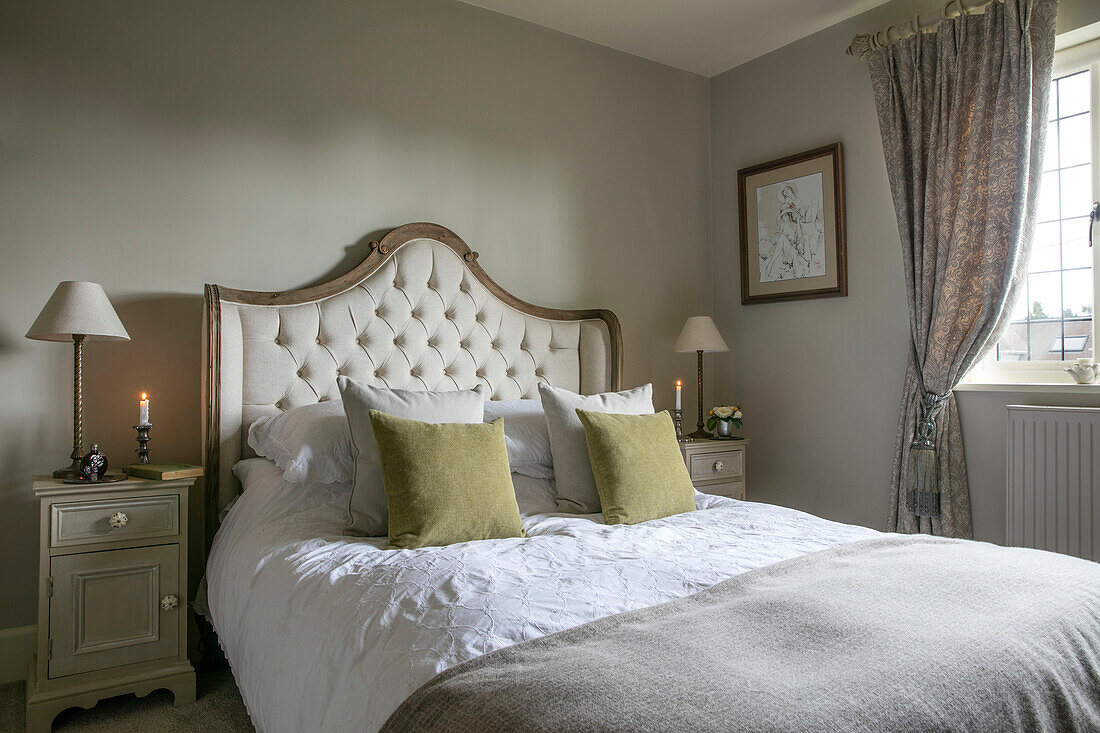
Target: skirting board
16 648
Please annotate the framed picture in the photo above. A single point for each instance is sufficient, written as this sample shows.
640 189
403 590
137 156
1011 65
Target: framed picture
792 227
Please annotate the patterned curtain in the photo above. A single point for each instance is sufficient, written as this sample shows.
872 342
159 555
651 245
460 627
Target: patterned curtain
962 113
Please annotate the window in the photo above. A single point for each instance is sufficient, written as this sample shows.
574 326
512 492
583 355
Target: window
1052 321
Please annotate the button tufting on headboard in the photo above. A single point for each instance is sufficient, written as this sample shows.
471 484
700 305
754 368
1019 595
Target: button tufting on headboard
418 313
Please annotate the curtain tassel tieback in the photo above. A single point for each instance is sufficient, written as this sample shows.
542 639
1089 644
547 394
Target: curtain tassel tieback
923 481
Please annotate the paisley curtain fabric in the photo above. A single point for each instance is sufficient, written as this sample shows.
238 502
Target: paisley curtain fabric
962 113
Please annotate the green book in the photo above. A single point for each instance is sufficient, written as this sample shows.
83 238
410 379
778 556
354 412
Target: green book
164 471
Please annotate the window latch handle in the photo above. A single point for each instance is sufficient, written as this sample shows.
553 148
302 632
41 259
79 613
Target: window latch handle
1094 216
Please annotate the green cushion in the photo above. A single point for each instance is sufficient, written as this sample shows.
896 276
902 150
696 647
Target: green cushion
445 483
640 472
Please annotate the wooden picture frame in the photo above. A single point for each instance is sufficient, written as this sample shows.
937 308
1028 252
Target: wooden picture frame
792 227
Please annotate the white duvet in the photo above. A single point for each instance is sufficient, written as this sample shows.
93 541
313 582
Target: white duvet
330 633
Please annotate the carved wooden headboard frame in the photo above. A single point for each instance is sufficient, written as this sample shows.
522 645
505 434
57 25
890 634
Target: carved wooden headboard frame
577 349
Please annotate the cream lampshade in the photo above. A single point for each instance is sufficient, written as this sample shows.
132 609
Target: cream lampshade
700 335
77 311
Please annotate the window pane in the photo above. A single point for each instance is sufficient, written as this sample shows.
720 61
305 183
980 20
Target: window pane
1044 296
1077 294
1013 345
1073 94
1075 243
1050 156
1087 351
1052 318
1046 247
1078 340
1046 340
1048 197
1074 135
1076 191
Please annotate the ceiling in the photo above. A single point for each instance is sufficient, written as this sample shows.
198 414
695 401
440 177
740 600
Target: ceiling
703 36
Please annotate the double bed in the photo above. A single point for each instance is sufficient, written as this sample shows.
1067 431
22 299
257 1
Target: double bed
329 632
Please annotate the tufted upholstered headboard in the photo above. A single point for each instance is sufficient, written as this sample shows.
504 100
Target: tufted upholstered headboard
417 313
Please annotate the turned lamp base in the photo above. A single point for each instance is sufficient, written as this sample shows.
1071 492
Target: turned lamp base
700 432
70 472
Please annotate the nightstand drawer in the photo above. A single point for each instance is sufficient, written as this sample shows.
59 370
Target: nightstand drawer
107 520
717 465
731 489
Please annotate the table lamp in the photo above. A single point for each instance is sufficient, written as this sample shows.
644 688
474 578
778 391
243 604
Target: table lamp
79 311
699 335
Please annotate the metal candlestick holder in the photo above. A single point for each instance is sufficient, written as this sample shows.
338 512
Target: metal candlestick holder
143 443
678 420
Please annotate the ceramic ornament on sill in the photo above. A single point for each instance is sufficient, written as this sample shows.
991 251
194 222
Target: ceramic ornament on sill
1085 371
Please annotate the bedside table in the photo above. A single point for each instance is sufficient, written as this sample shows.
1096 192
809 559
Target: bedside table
716 466
112 584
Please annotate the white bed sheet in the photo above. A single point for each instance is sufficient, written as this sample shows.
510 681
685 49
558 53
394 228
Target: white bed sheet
330 633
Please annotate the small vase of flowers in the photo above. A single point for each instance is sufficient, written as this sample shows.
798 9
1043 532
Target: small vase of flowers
722 419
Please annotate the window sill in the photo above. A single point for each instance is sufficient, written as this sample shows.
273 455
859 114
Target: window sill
1033 387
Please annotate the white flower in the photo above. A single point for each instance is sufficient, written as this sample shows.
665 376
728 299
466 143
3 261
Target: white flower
723 412
736 414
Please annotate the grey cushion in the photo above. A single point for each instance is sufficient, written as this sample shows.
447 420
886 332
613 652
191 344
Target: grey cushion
572 470
367 513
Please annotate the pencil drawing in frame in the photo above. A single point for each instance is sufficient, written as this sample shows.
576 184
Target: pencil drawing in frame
792 227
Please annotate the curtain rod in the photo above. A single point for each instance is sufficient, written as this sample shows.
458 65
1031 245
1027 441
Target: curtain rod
866 43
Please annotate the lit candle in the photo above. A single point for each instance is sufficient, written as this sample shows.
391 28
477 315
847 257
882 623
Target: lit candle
679 392
143 410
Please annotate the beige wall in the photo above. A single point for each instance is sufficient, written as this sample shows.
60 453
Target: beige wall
261 144
154 147
821 380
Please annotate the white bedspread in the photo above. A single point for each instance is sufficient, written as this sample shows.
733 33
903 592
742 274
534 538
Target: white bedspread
331 633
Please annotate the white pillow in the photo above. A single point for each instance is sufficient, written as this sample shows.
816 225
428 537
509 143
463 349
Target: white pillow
310 443
367 512
534 495
525 435
572 470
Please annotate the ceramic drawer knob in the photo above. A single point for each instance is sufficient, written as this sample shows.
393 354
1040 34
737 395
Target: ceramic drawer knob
118 520
169 602
718 466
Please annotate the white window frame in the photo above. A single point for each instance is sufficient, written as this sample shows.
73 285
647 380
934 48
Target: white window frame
1081 55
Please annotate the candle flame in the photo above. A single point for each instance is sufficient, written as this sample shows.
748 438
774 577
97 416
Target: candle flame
678 383
144 396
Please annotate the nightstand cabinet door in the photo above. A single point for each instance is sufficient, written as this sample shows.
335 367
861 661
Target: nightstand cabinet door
106 609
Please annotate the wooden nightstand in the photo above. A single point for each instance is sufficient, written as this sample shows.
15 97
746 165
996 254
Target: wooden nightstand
112 605
717 466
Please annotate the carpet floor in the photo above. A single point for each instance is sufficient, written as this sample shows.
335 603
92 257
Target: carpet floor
217 707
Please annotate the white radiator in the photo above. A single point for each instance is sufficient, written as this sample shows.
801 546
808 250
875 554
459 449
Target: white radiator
1053 479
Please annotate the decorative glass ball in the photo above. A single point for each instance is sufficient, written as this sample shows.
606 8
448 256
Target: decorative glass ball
94 465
